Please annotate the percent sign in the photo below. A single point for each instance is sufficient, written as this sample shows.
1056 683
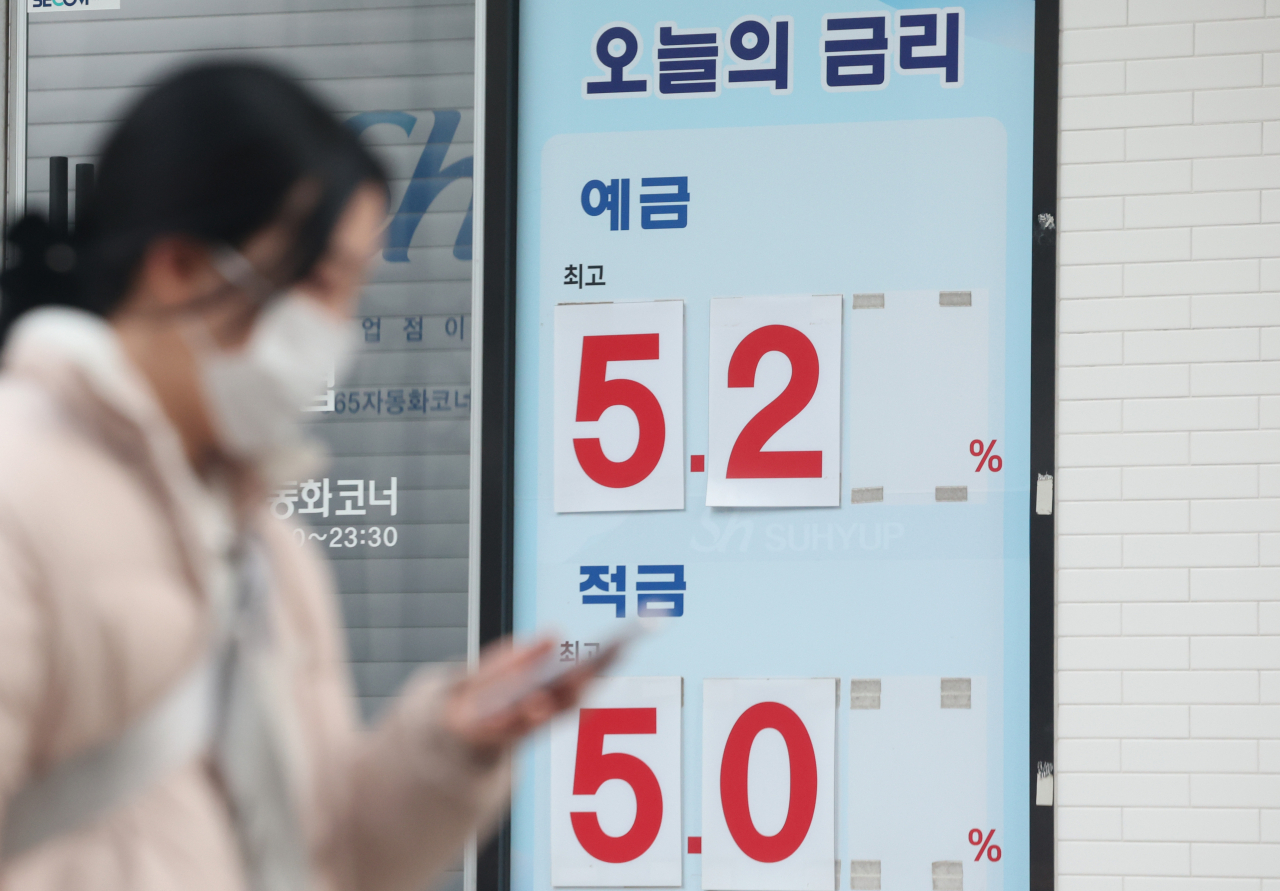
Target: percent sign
992 461
992 851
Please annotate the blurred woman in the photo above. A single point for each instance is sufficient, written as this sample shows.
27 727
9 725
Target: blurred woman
175 707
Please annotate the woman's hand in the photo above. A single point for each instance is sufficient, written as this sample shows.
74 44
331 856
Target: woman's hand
494 707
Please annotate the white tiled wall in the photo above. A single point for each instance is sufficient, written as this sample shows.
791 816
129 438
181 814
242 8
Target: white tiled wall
1169 446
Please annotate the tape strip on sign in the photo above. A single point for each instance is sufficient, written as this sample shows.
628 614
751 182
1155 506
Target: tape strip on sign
864 693
868 495
868 301
1044 784
951 493
864 875
948 875
1044 494
955 298
957 693
71 5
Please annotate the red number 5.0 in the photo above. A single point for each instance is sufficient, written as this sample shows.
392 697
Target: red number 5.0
594 768
795 789
804 782
627 732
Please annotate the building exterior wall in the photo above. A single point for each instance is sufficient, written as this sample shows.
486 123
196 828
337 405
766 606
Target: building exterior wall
1169 446
1168 482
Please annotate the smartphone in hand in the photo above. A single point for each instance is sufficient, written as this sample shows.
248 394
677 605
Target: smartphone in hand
550 673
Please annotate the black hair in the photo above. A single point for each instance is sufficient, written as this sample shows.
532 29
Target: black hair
214 152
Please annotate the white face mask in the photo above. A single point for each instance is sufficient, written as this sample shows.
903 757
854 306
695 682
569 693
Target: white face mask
255 395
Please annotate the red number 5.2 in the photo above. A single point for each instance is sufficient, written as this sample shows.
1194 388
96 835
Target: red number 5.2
748 459
595 394
593 768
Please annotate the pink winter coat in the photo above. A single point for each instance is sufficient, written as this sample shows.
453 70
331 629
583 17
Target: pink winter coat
104 558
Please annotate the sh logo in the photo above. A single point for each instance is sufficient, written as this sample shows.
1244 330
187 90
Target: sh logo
429 179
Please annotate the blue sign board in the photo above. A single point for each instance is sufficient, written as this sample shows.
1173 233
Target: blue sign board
773 397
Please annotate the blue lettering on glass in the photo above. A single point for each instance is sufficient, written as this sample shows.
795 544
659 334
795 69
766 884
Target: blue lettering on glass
615 198
854 50
947 56
665 210
750 43
595 578
617 83
429 180
670 602
686 63
663 597
865 55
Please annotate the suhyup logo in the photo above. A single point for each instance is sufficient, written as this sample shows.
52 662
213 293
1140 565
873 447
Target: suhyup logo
61 5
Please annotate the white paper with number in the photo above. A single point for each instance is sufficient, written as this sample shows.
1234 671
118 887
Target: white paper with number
615 804
771 764
777 443
634 467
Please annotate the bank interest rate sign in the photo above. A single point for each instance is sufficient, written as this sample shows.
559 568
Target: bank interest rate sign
772 395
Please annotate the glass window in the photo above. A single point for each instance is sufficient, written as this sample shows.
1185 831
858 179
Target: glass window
391 512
